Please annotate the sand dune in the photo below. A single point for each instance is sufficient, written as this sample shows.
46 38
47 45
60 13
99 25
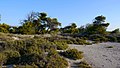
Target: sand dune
100 56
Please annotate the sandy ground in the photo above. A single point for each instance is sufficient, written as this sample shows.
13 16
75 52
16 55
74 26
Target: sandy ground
99 56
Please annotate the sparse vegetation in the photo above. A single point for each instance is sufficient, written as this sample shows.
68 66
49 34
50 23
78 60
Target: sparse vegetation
110 47
30 52
72 54
84 64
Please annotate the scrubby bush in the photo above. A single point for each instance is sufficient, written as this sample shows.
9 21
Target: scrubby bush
75 41
98 38
118 39
12 56
112 38
84 64
61 45
32 52
5 37
55 61
78 41
2 59
82 42
69 42
109 47
72 54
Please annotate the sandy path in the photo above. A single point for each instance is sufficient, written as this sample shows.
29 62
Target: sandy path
99 56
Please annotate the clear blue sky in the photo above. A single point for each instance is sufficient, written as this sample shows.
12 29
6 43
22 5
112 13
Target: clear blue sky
67 11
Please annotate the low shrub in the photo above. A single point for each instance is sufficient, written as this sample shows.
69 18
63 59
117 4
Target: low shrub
109 47
98 38
61 45
78 41
12 56
74 41
82 42
95 42
112 38
69 41
72 54
54 60
2 58
84 64
118 39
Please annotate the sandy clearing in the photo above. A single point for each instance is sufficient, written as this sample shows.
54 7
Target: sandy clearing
99 56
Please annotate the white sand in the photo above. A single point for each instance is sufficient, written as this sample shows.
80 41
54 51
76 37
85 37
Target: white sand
99 56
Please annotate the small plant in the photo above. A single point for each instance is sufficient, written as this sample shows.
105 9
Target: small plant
73 54
109 47
95 42
84 64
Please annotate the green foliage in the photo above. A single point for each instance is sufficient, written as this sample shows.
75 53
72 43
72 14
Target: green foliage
39 23
2 58
95 29
55 61
70 40
82 42
84 64
112 38
13 29
11 53
28 28
61 45
71 29
4 28
118 39
12 56
4 37
77 41
99 20
81 29
31 58
37 52
72 54
98 38
116 31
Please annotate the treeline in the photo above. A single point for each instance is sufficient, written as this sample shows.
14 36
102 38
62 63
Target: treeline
36 23
40 23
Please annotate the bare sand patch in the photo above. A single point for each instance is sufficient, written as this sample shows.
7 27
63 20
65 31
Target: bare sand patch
100 55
